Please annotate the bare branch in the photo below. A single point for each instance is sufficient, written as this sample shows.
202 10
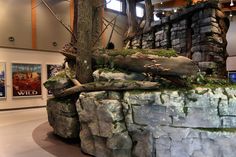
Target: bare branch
114 28
112 23
58 19
103 4
104 29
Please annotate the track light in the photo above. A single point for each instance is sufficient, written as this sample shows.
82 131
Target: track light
232 3
231 14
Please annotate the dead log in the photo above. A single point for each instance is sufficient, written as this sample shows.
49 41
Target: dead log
108 86
148 63
143 61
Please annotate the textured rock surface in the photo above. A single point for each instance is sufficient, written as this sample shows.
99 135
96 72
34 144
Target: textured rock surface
63 118
102 75
103 131
192 123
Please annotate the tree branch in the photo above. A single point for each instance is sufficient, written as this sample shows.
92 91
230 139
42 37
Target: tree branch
58 19
108 86
104 30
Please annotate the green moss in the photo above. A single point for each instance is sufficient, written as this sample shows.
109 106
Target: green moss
157 52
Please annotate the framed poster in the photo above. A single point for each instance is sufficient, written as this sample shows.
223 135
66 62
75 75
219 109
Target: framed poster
52 70
2 80
26 79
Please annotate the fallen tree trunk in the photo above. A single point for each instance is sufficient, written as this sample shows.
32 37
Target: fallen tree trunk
142 62
108 86
148 63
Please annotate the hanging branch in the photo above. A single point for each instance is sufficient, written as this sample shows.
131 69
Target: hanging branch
59 20
113 27
112 23
104 29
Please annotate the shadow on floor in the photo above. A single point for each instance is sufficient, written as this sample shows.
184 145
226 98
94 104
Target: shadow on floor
44 137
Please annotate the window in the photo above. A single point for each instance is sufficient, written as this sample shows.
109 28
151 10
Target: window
116 5
139 11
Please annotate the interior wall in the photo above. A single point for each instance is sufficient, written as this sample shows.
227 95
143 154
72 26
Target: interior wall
231 47
15 21
49 29
10 56
119 31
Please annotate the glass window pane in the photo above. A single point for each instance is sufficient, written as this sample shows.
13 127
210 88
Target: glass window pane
139 11
114 5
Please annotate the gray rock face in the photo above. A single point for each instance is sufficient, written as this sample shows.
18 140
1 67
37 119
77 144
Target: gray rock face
194 123
101 75
104 133
63 118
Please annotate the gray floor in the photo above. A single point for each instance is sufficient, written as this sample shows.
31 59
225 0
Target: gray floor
26 133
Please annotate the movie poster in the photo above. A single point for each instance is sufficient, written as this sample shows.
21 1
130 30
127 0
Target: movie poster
26 79
52 70
2 80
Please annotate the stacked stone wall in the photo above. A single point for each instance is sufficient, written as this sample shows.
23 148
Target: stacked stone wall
198 32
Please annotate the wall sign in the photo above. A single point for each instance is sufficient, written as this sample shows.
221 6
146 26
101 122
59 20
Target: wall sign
52 70
2 80
26 79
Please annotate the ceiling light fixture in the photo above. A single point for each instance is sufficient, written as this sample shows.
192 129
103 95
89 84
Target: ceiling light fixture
175 10
231 14
232 3
161 2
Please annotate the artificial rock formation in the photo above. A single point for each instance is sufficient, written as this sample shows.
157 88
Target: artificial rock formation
142 123
170 123
197 32
63 117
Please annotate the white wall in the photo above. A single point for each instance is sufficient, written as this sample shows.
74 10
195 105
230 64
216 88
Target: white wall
26 56
231 47
122 23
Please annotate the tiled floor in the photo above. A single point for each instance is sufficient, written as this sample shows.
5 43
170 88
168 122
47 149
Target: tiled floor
26 133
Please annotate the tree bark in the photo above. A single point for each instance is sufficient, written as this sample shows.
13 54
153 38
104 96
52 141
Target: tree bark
148 15
97 22
74 37
84 42
108 86
144 63
132 22
147 63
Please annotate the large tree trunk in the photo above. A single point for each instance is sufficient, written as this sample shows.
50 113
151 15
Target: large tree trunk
84 42
97 22
132 22
74 37
148 14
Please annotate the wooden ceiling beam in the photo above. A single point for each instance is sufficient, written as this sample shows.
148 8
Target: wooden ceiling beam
171 4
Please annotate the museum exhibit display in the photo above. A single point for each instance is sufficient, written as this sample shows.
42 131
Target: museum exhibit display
26 79
2 80
166 94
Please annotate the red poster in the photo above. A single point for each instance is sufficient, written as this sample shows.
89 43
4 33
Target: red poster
26 79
